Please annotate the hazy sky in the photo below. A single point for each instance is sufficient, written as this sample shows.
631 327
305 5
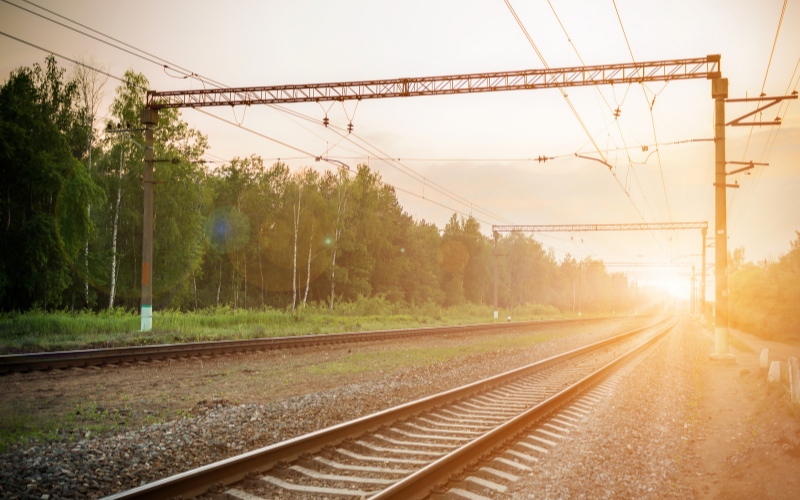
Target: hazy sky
248 43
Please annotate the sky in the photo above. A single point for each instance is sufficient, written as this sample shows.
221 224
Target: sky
251 43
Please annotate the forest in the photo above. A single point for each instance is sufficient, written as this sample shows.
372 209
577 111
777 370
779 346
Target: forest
243 235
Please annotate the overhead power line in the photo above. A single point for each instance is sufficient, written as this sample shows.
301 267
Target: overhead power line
541 58
569 39
154 59
306 153
616 119
764 158
73 61
650 107
750 134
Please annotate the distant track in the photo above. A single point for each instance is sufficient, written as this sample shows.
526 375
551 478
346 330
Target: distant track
457 444
41 361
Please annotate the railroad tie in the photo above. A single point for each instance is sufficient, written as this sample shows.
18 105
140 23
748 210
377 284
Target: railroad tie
459 494
510 464
299 470
241 495
274 481
360 468
485 483
387 460
524 456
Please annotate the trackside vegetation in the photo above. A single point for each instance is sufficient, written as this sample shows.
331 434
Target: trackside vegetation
39 331
765 295
234 236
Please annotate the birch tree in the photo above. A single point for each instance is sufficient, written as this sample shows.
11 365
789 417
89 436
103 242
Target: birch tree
342 189
296 212
91 91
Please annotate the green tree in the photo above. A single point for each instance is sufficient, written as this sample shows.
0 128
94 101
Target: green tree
47 189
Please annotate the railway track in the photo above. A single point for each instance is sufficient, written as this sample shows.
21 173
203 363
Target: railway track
42 361
467 443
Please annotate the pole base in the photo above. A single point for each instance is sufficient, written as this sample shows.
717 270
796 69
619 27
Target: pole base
725 358
147 318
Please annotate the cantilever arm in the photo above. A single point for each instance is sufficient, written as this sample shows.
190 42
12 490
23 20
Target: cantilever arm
610 167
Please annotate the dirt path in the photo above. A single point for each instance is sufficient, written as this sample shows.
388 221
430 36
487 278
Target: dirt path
747 443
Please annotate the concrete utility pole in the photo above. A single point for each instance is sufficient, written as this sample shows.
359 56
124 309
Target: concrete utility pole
149 120
719 92
496 236
703 280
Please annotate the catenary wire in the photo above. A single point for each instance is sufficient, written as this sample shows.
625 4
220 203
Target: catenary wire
541 58
308 155
73 61
569 39
650 106
761 170
763 85
155 60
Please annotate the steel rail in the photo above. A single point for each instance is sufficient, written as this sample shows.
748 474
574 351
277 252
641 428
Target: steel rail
419 484
231 470
98 357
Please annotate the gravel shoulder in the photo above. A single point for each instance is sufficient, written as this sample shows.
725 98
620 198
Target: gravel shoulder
189 413
636 442
680 426
747 438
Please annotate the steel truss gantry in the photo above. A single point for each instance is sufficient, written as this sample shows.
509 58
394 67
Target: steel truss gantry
708 67
648 264
577 228
579 76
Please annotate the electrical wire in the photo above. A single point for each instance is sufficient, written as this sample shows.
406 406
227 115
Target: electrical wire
396 164
541 58
171 65
155 60
73 61
259 134
763 85
650 106
760 171
616 116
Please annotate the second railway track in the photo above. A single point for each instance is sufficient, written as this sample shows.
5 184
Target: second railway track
466 443
41 361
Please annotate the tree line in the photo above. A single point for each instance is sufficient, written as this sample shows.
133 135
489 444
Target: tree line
245 234
765 295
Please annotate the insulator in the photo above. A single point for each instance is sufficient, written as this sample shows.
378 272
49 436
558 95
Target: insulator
127 124
325 121
349 127
119 125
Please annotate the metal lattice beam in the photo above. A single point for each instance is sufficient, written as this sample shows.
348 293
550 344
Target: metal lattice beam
648 264
575 228
606 74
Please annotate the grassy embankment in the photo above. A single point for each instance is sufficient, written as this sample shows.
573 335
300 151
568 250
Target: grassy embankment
38 331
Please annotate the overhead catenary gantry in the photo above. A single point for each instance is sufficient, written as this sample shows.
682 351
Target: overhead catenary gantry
579 76
708 68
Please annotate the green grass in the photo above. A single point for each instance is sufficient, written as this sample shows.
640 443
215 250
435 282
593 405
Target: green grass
37 331
394 359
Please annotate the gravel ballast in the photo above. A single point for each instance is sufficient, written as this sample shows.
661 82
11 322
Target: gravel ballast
635 442
94 466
